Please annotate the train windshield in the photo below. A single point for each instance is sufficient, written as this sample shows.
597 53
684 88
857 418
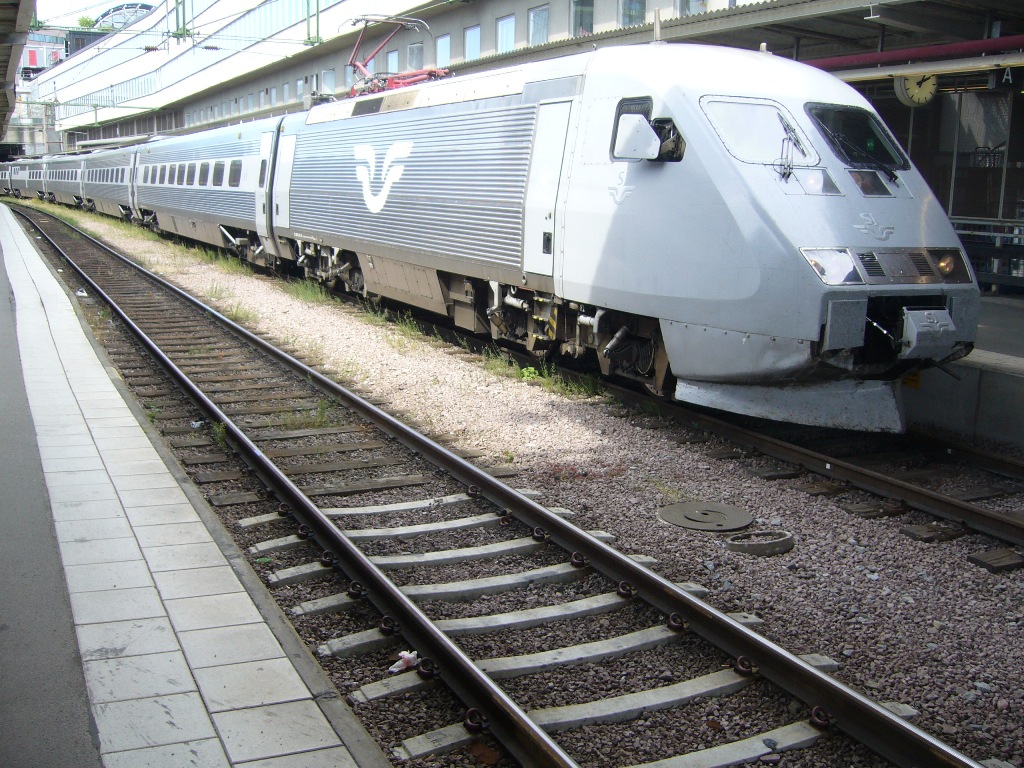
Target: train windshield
858 138
759 131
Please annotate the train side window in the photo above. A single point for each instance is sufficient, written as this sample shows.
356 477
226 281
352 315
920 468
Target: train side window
636 136
145 175
263 173
190 179
235 173
172 172
163 173
218 173
181 174
204 174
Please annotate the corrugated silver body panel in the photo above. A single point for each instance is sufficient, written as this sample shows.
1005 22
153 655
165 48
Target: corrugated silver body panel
446 182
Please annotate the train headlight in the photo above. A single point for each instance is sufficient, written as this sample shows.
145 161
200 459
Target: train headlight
834 266
951 264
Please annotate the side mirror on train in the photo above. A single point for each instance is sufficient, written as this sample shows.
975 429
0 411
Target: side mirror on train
635 139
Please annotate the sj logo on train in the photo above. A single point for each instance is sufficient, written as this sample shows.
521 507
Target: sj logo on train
390 171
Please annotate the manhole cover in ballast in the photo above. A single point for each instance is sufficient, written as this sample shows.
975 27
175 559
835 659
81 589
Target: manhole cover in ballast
706 516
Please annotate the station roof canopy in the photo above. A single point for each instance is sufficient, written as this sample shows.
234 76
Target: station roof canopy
15 18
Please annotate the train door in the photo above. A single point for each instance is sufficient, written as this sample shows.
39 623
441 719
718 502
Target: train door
282 180
539 229
264 196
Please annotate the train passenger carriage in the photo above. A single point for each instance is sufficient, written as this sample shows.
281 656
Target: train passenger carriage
106 181
64 179
209 186
35 178
5 178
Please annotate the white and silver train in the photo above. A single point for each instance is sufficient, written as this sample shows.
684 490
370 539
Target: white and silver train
734 229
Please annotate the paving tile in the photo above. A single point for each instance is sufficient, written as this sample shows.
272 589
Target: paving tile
146 453
108 415
184 556
93 530
277 729
151 722
162 514
98 577
229 645
103 492
116 433
197 582
191 754
207 754
116 639
118 468
333 757
86 510
116 605
153 497
99 551
82 477
250 684
172 534
72 464
68 452
147 482
136 677
57 439
212 611
121 443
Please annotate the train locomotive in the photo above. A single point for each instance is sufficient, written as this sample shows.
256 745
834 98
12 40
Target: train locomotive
726 227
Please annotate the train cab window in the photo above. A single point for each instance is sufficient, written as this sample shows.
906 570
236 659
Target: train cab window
204 174
181 174
760 131
858 138
190 177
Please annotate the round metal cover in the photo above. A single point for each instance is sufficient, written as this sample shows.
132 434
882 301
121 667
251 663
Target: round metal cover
706 516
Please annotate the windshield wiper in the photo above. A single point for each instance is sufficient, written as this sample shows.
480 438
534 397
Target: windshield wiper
867 157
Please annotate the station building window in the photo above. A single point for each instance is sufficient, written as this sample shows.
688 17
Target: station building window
632 12
472 43
443 51
298 89
328 81
392 65
273 96
506 33
582 17
415 54
537 25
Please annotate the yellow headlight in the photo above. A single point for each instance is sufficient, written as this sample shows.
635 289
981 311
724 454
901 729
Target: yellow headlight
947 263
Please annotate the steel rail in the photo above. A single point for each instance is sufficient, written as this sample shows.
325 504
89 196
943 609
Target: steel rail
866 721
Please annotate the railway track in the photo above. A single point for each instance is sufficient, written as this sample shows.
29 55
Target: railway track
359 524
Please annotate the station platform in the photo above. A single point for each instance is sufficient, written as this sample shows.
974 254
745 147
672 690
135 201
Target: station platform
132 632
979 398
